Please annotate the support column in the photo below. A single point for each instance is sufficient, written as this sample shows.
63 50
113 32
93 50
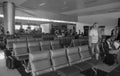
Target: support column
9 17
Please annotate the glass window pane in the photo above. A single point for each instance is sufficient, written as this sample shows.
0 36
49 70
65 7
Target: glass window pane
24 27
34 27
17 27
45 28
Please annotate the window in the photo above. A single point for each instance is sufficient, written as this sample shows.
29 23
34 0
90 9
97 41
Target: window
17 27
24 27
34 27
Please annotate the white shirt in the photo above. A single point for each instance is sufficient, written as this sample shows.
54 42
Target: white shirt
116 44
109 45
94 35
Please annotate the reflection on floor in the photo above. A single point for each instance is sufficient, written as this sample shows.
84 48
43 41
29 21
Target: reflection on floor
3 70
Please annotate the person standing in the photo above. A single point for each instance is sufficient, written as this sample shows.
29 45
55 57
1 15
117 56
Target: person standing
94 40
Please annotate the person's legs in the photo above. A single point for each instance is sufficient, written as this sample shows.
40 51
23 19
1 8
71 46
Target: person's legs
92 49
97 51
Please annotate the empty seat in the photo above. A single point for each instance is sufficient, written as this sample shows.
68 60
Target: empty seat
75 59
21 40
79 42
48 37
68 41
45 45
83 42
30 39
62 41
59 58
73 55
20 51
38 39
40 64
61 64
10 43
33 46
55 44
85 53
86 56
75 42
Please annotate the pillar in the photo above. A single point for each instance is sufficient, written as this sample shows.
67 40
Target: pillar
9 17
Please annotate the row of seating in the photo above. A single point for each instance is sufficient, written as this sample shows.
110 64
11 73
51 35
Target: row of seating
61 62
21 50
9 42
48 37
63 41
79 42
30 35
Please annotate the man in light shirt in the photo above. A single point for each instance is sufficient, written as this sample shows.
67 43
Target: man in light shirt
93 40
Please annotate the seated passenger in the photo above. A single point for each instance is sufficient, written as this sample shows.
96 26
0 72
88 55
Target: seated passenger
110 49
21 30
117 44
28 30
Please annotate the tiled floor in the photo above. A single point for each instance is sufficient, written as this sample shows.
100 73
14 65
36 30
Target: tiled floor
115 72
3 70
104 70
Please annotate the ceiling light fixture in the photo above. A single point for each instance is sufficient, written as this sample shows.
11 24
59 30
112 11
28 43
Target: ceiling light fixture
40 19
64 2
42 4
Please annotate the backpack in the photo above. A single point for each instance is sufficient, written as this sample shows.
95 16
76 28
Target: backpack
109 59
10 62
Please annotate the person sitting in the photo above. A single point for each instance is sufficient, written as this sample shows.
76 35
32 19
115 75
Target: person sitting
110 50
28 30
117 44
21 30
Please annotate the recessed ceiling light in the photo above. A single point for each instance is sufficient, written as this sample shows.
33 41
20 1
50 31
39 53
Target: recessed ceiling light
64 2
42 4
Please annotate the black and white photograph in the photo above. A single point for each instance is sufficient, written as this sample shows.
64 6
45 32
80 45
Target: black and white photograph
59 37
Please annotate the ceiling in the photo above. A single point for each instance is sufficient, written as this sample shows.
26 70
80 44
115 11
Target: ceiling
102 19
70 7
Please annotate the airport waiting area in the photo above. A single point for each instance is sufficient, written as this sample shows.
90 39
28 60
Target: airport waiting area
59 38
64 56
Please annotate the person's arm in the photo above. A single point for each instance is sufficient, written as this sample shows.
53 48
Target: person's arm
99 35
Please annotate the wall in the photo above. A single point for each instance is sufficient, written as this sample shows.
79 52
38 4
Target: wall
107 20
79 26
46 28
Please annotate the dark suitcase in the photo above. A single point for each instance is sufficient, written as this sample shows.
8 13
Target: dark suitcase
10 62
